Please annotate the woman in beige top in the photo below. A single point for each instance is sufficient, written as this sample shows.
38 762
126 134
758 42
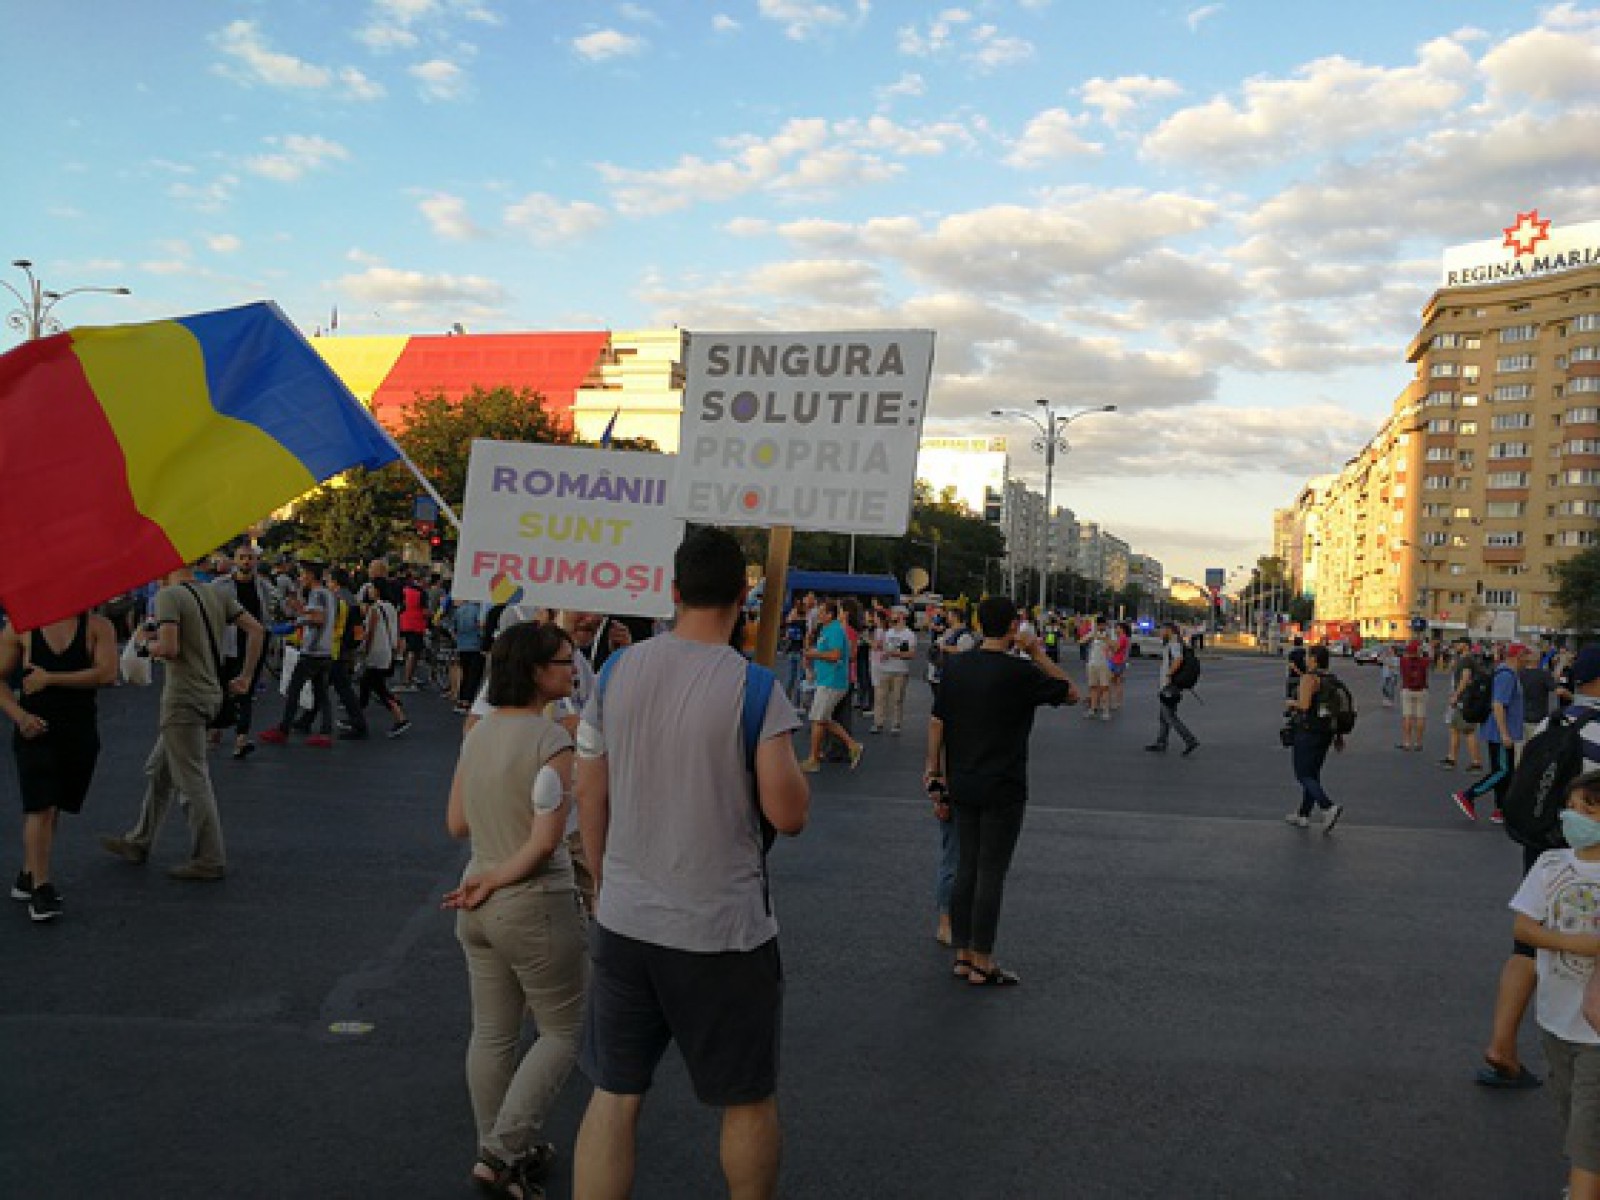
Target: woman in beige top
518 920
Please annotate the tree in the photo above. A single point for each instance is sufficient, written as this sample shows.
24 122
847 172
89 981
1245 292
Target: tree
1578 591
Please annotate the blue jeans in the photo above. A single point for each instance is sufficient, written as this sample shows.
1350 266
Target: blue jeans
1310 752
944 879
794 673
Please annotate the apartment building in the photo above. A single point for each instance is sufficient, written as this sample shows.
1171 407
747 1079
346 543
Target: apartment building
1487 473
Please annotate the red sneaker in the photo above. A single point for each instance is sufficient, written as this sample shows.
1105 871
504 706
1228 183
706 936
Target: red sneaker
1498 817
320 741
1466 804
273 736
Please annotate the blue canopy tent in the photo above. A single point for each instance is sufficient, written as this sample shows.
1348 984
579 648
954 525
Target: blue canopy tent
841 583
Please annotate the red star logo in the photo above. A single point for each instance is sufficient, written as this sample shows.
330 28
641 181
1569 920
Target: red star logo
1527 233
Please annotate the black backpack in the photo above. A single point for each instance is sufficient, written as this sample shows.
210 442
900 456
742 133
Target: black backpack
1477 698
1549 761
1187 673
1335 708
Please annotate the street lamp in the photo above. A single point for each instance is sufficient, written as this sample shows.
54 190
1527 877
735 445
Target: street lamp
34 320
933 579
1049 441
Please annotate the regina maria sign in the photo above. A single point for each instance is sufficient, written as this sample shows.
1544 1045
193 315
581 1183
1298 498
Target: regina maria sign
1531 246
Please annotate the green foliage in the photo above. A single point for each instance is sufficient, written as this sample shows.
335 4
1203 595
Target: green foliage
1578 591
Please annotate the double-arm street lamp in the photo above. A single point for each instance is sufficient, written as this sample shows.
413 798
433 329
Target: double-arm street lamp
34 319
1049 441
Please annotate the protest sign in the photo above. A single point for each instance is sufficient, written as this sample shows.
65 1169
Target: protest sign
560 527
807 430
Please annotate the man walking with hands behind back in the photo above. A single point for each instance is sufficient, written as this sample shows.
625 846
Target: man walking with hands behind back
1171 694
684 944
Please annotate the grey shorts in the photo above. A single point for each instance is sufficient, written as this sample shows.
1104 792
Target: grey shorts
824 702
1575 1087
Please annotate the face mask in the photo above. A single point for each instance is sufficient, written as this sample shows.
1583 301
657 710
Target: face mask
1581 832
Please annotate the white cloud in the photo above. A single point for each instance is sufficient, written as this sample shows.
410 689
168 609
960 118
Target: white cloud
910 84
954 33
992 50
164 266
424 299
206 197
382 38
1330 104
723 23
296 155
1049 137
1560 65
822 281
440 79
252 60
222 243
447 216
936 37
1118 99
1196 16
608 43
548 221
803 21
638 13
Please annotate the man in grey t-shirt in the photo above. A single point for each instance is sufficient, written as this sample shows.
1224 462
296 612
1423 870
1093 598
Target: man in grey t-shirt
314 613
685 944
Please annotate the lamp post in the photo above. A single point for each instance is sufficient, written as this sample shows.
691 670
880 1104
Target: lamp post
933 579
1049 441
34 319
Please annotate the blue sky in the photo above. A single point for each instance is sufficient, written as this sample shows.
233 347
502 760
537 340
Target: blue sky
1225 218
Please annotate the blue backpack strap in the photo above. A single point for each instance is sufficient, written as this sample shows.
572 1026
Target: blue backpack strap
758 683
605 674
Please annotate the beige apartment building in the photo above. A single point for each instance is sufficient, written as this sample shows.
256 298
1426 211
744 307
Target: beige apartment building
1487 473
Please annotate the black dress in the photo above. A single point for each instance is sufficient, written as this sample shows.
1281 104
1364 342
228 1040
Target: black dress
56 767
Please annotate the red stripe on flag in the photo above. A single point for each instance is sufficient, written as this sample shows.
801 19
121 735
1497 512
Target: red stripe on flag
70 536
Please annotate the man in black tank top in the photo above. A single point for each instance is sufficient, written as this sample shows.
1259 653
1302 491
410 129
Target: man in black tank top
56 670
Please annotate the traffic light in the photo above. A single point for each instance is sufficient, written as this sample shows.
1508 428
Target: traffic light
435 540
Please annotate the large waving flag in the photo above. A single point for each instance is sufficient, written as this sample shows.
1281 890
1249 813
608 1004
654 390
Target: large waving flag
128 450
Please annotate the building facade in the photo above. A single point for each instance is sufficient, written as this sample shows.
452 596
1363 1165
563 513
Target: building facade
1487 474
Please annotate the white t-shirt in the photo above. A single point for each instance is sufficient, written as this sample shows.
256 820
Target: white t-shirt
382 624
1171 656
1097 649
895 640
1562 892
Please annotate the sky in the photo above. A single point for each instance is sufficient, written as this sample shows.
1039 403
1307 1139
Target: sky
1223 218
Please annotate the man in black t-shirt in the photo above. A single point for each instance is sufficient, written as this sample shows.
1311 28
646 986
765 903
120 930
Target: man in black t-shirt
978 739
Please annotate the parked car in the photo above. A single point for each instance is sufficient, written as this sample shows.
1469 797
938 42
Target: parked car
1340 647
1145 645
1367 656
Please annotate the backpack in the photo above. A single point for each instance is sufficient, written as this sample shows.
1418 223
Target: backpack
1477 698
758 683
1335 708
1549 761
1187 673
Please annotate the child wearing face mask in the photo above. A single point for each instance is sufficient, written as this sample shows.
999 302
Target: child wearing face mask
1558 912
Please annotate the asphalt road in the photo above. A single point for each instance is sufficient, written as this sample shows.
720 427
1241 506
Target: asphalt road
1214 1004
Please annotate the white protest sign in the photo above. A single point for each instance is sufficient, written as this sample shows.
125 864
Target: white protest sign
560 527
810 430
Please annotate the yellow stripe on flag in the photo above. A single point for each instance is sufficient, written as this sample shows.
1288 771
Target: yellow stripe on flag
201 476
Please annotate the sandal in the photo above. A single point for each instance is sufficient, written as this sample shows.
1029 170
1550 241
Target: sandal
963 969
520 1180
993 977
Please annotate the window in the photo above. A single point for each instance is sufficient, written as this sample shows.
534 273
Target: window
1511 392
1462 514
1471 341
1457 569
1444 370
1582 416
1435 510
1470 373
1500 597
1440 454
1519 333
1584 383
1467 428
1435 539
1503 540
1446 341
1469 400
1465 460
1436 483
1515 362
1582 446
1441 425
1588 323
1435 399
1578 508
1584 354
1578 537
1580 477
1512 421
1510 450
1506 508
1509 479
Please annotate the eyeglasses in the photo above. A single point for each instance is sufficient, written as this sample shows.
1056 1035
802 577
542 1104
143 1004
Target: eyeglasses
559 662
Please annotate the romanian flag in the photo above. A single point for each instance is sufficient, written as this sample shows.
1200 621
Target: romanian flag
129 450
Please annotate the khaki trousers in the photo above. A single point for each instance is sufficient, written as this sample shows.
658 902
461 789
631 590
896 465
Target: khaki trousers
177 767
891 705
526 955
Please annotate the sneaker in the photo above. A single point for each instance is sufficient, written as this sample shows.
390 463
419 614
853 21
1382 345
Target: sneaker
353 735
319 741
45 904
22 889
1105 714
811 766
1156 748
877 729
343 726
1330 817
1190 748
192 872
1466 804
123 849
399 728
1497 817
856 752
273 736
1298 820
895 732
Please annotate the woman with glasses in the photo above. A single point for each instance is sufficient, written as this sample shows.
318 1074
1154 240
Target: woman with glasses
519 922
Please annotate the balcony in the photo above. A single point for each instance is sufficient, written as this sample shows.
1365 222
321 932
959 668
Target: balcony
1504 554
